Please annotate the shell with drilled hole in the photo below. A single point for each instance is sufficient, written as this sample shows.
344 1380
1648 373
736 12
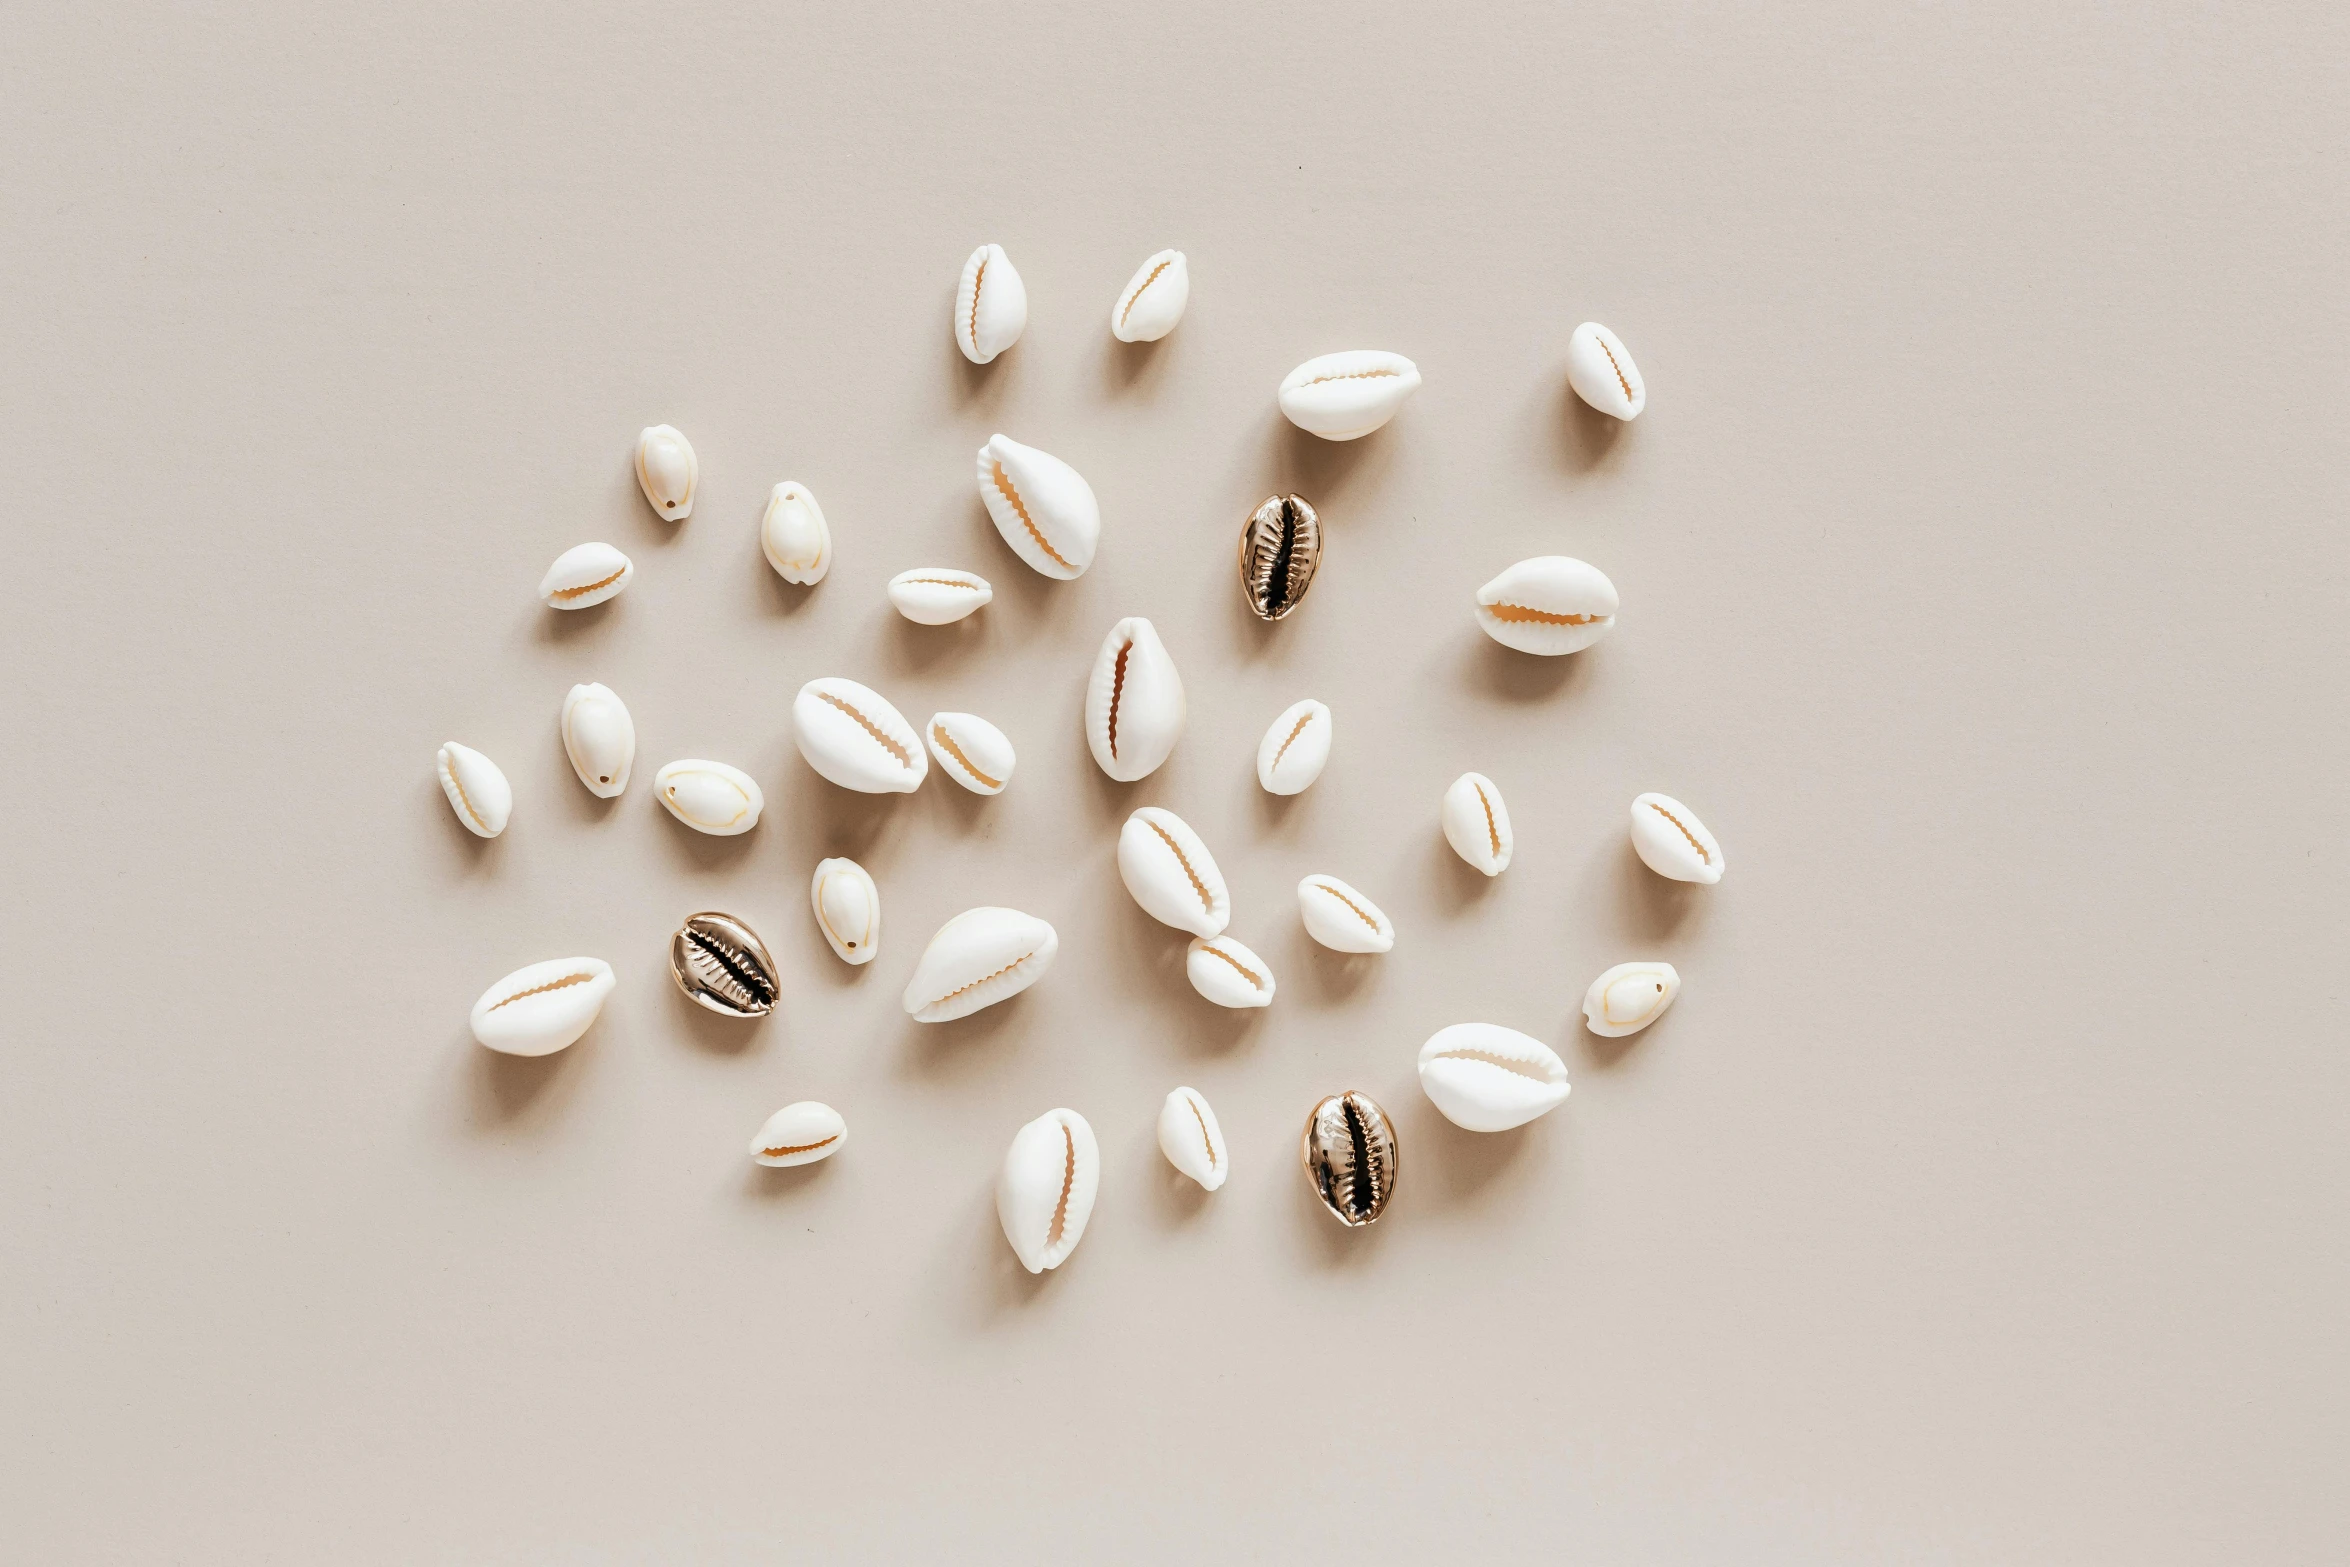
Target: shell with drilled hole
1671 841
667 470
1629 997
1044 1192
1341 918
1600 369
848 909
1228 973
1134 709
1043 507
1550 605
1152 301
971 751
1477 824
1352 1157
1191 1139
938 595
1171 873
1486 1078
794 536
585 575
800 1133
710 796
599 737
538 1009
478 792
851 735
991 305
1295 749
978 958
1345 396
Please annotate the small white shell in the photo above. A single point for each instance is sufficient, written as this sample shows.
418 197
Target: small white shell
794 535
800 1133
1227 973
1629 997
971 751
600 738
537 1010
1191 1139
1295 748
1486 1078
1671 841
1343 397
478 792
1600 369
1550 605
667 470
938 595
1153 299
1134 710
850 734
848 909
1171 873
1044 1192
1477 824
978 958
710 797
1043 507
585 574
1341 918
991 305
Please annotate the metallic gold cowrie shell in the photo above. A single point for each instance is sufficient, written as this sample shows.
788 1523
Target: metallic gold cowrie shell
721 963
1351 1157
1280 549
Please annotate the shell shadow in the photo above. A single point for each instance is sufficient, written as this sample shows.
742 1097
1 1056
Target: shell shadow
501 1089
1512 676
1133 367
1001 1283
981 389
1325 1243
778 1183
1458 1165
909 648
783 600
1587 438
1457 885
965 1048
477 856
1335 976
713 1032
1176 1199
569 627
1650 907
702 851
1325 471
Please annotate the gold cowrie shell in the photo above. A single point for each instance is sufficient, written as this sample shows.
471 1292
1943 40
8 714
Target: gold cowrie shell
800 1133
710 797
585 575
991 305
1191 1139
723 965
1171 874
1345 396
1045 1189
1341 918
848 909
1228 973
1152 301
1671 841
1280 549
600 738
1600 369
938 595
477 790
1134 707
542 1007
1352 1157
1550 605
1629 997
1477 824
1295 748
667 470
1486 1078
794 536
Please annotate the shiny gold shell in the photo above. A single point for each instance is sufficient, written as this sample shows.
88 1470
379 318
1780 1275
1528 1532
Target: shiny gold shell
1280 548
723 965
1352 1157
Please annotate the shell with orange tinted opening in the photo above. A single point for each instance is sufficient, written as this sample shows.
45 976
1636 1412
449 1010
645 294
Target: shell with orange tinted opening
1134 706
1043 507
1170 872
1152 301
1486 1078
1549 605
1295 749
1600 369
1228 973
978 958
1671 841
800 1133
938 595
1477 823
1044 1192
1191 1139
852 735
585 575
1345 396
971 751
1341 918
540 1008
991 305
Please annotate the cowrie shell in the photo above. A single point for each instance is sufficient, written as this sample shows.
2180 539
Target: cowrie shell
1343 397
1044 1192
1550 605
1486 1078
991 305
1629 997
800 1133
970 750
1043 507
1671 841
1352 1157
938 595
477 790
848 909
1600 369
794 536
1227 973
1191 1139
1295 748
1477 824
978 958
1152 301
710 797
540 1008
722 964
850 734
1134 710
599 737
1341 918
1280 550
667 470
1171 873
585 574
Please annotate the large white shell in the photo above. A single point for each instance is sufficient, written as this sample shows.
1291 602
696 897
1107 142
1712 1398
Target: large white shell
800 1133
1486 1078
1629 997
1341 918
938 595
1134 710
1477 824
599 737
1343 397
585 574
1043 507
1044 1192
1671 841
1152 301
478 792
1227 973
710 797
850 734
991 305
978 958
971 751
1191 1139
1295 748
794 536
1600 369
1172 874
667 470
848 909
1550 605
538 1009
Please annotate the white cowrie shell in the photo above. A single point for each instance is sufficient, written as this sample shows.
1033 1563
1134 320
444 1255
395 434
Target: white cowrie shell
477 790
1044 1192
1341 918
1227 973
1191 1139
667 470
1600 369
1172 874
850 734
1153 299
800 1134
1343 397
1477 824
991 305
848 909
1486 1078
978 958
1292 754
1629 997
540 1008
1550 605
938 595
600 738
1671 841
971 751
585 574
710 797
1043 507
1134 710
794 536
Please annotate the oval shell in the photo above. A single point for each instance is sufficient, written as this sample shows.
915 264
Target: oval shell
1352 1157
1671 841
1280 550
477 790
848 909
852 736
710 797
800 1133
794 536
1134 707
1600 369
542 1007
1477 824
1295 749
600 738
991 305
1228 973
938 595
585 575
1043 507
721 963
1341 918
1171 873
1345 396
1045 1190
978 958
1550 605
1486 1078
1191 1139
1629 997
971 751
1152 301
667 470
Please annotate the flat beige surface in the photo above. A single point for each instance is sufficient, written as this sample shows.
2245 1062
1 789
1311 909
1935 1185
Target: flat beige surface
1983 560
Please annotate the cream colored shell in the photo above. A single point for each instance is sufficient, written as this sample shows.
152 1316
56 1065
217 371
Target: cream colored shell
542 1007
978 958
1345 396
585 575
1550 605
991 305
599 737
477 790
1486 1078
667 470
1043 507
1228 973
1152 301
1134 707
1629 997
710 797
800 1133
852 735
1045 1189
1671 841
794 536
848 909
1477 823
1295 749
1600 369
971 751
1341 918
1191 1139
938 595
1171 873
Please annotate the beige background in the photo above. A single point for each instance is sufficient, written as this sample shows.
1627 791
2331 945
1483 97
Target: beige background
1983 561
